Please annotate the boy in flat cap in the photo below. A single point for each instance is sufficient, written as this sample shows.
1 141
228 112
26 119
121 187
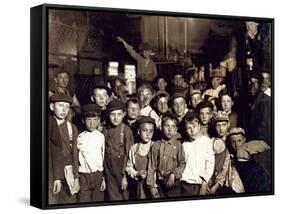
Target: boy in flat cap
91 148
166 161
118 141
179 105
138 157
147 70
219 183
63 150
195 98
216 83
253 175
199 158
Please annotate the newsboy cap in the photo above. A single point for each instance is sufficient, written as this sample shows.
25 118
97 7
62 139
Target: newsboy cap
236 130
115 104
60 97
91 110
221 116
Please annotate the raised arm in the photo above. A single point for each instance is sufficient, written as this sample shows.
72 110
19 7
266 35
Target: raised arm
130 49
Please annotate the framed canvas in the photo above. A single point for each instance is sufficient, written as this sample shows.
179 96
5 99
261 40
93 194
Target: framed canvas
132 106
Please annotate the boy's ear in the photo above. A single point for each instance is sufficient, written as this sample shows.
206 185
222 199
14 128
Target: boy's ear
56 79
52 106
92 99
138 131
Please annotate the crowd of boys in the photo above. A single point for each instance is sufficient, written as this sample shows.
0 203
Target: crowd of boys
183 137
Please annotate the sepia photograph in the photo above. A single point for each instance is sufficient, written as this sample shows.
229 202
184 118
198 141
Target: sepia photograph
149 106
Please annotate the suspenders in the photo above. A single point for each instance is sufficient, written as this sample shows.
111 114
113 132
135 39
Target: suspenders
121 139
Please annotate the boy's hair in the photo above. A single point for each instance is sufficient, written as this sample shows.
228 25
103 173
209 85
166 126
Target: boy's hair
61 71
169 116
100 85
133 100
145 85
225 92
191 117
204 104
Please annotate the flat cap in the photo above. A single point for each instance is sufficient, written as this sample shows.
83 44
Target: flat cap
221 116
178 93
60 97
236 130
145 119
115 104
91 110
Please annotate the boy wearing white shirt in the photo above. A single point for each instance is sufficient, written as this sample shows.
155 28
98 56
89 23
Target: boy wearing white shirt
91 146
199 157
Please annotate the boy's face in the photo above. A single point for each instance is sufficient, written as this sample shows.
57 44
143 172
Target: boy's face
161 84
195 99
205 115
216 81
100 97
62 79
170 128
265 81
147 53
146 132
236 141
251 26
192 128
221 128
178 80
145 96
162 105
133 110
92 123
60 109
116 117
226 103
179 106
253 86
119 88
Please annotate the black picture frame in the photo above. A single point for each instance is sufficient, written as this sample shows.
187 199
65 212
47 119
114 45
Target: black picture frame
39 57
